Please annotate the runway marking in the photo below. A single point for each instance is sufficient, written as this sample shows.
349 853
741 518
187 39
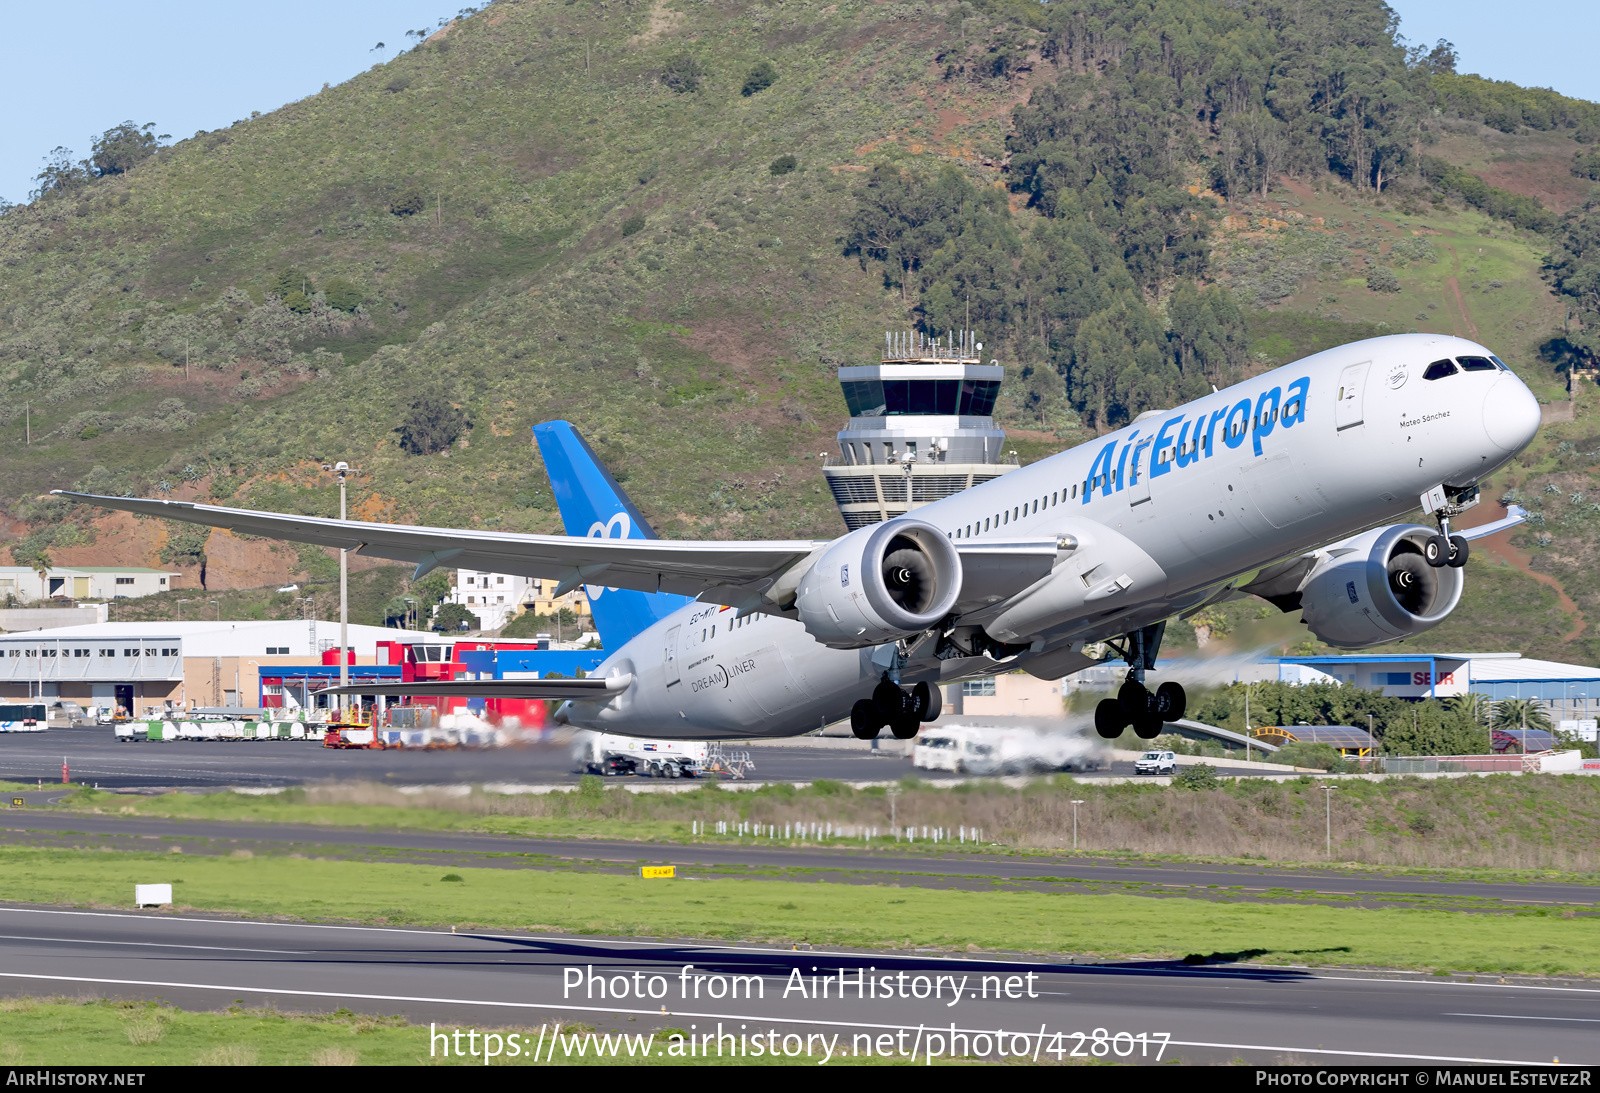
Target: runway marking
1522 1017
155 945
722 1016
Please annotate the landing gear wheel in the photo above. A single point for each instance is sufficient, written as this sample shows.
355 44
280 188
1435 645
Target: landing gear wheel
1171 703
905 728
1436 552
1134 699
1458 551
889 699
865 721
1147 727
927 706
1109 718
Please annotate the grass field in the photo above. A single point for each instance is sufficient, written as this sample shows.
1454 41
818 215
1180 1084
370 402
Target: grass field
1543 941
98 1032
1513 827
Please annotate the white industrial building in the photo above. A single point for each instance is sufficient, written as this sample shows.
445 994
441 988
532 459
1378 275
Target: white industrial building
82 582
136 665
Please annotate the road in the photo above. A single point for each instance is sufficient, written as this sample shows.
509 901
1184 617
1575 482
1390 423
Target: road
1212 1014
93 755
929 868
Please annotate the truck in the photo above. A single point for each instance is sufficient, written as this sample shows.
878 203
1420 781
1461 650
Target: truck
607 755
988 749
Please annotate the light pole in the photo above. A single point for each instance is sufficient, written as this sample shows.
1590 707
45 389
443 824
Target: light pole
1075 805
1328 836
341 469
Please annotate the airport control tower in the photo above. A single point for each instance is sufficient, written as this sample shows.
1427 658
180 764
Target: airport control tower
920 427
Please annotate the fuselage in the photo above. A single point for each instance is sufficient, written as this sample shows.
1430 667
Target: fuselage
1185 500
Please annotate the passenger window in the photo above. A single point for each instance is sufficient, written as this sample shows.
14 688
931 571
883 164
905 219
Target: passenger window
1438 370
1475 364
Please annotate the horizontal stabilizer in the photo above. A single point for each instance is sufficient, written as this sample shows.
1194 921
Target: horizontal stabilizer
1515 514
554 689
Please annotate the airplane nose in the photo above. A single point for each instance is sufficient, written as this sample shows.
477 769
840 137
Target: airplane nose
1510 413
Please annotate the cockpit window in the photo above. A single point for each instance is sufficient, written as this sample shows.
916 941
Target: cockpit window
1476 364
1502 365
1438 370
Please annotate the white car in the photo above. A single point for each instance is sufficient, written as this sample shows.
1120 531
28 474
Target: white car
1155 762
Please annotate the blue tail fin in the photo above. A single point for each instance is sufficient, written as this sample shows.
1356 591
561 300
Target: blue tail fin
593 504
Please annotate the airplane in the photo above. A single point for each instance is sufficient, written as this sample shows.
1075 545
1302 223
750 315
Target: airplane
1284 486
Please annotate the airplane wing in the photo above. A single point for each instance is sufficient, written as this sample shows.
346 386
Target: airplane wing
718 572
732 573
492 688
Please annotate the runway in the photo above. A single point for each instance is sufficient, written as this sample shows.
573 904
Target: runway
924 868
94 756
481 980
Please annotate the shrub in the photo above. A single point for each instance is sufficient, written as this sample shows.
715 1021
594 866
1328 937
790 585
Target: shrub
1382 279
1587 165
297 302
633 225
408 202
682 73
431 425
761 77
783 165
1199 776
342 294
1304 753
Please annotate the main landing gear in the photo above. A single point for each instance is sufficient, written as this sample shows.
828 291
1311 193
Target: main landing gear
1134 704
902 710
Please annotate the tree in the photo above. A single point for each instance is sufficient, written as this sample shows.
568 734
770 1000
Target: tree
342 294
783 165
431 425
1383 279
289 280
682 73
1521 713
60 175
122 148
452 617
761 77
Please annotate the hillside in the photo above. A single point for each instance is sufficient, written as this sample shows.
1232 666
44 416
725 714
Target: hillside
672 223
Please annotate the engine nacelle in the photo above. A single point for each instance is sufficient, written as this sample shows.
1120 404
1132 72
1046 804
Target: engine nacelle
880 583
1382 590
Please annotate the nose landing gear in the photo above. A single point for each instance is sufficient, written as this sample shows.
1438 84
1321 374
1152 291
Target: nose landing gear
1134 704
903 711
1445 548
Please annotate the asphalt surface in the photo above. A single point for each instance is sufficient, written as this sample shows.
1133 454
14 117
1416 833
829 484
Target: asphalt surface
1210 1014
93 755
970 869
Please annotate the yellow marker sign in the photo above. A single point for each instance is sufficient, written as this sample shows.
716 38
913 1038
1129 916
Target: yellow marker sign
651 872
17 802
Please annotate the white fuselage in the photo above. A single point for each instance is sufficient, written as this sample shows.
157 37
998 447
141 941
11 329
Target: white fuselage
1176 504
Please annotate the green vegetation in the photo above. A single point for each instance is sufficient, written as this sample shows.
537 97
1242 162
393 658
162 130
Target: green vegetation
1106 926
1501 822
98 1032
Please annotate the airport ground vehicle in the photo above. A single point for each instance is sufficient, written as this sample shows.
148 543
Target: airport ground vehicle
608 754
1156 762
984 749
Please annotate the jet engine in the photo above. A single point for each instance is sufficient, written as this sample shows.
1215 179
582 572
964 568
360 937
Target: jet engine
1379 587
880 583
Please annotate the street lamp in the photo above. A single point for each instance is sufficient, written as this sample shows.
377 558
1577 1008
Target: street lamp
1075 805
1328 837
341 469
